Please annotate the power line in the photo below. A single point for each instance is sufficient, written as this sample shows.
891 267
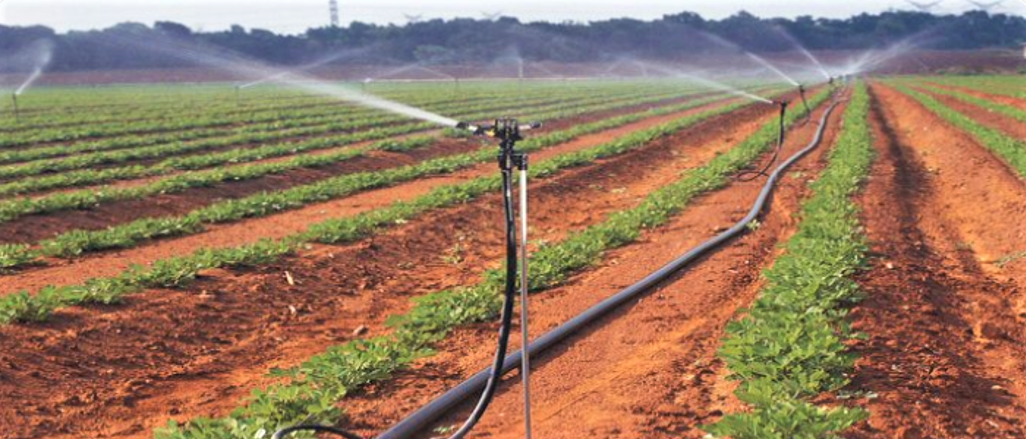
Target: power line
333 5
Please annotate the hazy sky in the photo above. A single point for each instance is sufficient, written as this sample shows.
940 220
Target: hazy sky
297 15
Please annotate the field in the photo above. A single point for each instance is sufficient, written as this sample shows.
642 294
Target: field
197 261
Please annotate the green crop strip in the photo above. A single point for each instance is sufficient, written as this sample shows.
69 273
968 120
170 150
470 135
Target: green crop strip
87 198
315 386
215 121
77 242
275 131
295 119
1010 86
1006 110
24 306
274 119
190 107
790 346
1008 148
243 155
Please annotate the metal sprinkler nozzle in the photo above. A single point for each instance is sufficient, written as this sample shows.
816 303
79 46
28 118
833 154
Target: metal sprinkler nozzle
507 130
502 129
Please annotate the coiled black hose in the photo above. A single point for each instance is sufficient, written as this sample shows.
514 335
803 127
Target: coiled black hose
509 296
507 311
488 379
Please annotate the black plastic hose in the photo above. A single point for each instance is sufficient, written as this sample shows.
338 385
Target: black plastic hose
435 409
509 293
497 370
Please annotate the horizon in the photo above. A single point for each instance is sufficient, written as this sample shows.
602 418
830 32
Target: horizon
307 14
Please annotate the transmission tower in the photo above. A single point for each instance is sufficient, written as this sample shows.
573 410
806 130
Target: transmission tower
333 5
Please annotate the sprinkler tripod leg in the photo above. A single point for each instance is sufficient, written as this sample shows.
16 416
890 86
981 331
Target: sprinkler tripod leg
17 114
525 362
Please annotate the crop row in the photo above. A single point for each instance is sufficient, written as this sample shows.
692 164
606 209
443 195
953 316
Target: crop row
12 209
275 119
297 125
1012 150
790 346
77 242
177 271
143 107
281 131
231 156
999 85
313 388
206 120
1007 110
67 106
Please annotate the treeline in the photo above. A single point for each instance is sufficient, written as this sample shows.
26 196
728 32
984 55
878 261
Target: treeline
468 40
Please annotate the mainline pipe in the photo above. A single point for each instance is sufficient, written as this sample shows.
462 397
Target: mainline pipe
418 420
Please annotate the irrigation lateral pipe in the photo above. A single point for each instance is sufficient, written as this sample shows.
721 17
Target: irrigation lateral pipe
418 420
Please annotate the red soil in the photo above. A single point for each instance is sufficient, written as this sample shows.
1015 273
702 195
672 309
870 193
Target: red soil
1009 125
616 379
32 228
296 221
946 349
121 372
1001 99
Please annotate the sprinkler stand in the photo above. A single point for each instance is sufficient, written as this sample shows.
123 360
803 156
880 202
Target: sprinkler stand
17 114
508 132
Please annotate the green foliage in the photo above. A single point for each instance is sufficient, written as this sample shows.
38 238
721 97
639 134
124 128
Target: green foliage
15 255
177 271
1006 110
1012 150
328 133
790 346
782 417
344 368
77 242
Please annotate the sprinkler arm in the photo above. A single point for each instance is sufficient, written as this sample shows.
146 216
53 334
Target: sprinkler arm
783 106
502 128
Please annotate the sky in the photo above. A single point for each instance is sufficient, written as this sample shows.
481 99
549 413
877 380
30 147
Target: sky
295 16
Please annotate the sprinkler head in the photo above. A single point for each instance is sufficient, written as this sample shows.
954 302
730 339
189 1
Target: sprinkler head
504 129
783 106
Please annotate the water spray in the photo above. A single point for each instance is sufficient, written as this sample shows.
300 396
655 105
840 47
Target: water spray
808 55
508 132
771 67
43 55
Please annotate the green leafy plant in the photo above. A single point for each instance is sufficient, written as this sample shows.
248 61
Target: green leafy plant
346 367
791 344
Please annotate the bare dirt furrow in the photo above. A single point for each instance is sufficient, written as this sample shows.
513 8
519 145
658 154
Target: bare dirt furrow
184 354
550 126
32 228
986 117
287 223
647 371
1001 99
946 349
136 182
